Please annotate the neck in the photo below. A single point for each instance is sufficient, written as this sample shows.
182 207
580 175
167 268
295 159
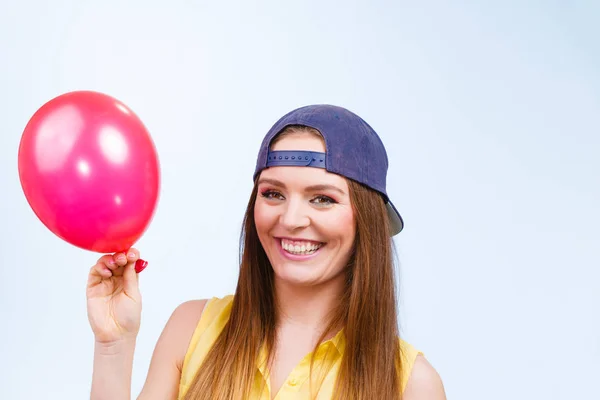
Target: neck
307 307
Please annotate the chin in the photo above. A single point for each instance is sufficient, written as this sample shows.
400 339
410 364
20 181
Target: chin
296 275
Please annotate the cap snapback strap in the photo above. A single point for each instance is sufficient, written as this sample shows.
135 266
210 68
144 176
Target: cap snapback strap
295 158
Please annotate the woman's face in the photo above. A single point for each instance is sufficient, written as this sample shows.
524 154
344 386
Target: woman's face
304 218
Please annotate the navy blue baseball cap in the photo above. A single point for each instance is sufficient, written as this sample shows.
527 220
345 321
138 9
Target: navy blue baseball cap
352 149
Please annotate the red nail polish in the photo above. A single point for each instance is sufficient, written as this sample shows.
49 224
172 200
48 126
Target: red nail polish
140 265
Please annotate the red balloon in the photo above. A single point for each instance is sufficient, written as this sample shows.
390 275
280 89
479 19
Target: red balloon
90 171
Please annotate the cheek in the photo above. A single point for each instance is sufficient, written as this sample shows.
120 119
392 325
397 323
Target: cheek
347 219
264 218
340 225
348 228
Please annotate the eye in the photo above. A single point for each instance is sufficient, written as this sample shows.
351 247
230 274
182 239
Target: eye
323 201
272 194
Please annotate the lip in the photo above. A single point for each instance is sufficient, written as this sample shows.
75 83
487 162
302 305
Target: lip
297 239
296 257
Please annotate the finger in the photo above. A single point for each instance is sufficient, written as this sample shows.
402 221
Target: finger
130 280
133 255
109 261
97 273
102 270
120 259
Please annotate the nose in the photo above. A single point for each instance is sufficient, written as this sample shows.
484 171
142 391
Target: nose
294 215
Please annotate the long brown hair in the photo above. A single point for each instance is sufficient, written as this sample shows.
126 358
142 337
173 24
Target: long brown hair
371 364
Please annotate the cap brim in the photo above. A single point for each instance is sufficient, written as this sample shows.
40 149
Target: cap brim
396 222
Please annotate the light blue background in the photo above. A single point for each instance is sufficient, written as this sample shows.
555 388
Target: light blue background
489 111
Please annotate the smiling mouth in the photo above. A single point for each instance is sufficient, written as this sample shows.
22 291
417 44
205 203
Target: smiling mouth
300 248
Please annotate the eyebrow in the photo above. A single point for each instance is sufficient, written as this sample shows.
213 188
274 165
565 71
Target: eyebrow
312 188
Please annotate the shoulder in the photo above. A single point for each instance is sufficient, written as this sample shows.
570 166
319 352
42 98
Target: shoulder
192 315
193 318
424 382
419 380
167 360
200 322
188 313
189 309
181 325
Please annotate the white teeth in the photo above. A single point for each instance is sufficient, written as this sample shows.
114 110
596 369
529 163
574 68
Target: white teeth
300 248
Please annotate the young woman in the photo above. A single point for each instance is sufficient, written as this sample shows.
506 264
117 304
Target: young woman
314 313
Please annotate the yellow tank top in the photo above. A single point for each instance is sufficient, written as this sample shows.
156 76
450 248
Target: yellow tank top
215 315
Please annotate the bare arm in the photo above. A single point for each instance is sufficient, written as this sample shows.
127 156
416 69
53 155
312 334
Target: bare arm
164 373
112 370
114 306
113 363
424 382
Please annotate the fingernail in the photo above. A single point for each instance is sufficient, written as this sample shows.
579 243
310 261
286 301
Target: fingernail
131 255
140 265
